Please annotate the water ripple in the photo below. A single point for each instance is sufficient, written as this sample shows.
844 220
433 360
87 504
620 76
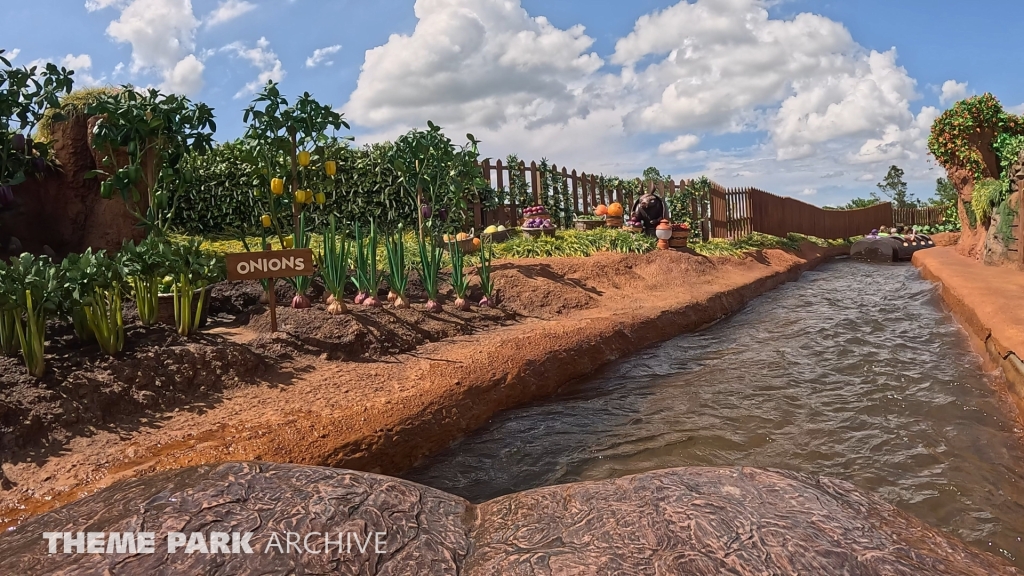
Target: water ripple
853 372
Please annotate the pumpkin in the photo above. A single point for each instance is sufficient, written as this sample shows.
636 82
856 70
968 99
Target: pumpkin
462 236
476 242
615 210
601 210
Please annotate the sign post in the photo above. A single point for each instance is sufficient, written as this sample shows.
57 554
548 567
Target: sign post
270 265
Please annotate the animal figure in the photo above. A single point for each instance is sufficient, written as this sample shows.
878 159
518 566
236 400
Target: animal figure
650 210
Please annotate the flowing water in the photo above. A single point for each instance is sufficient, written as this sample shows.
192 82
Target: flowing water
854 372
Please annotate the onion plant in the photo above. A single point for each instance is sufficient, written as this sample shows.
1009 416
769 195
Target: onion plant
193 271
145 267
76 286
34 286
102 305
264 283
398 269
334 258
430 266
486 281
367 275
300 239
459 280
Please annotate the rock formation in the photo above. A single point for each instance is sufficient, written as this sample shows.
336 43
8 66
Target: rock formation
694 521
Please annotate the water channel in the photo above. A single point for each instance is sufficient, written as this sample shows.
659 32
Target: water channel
853 372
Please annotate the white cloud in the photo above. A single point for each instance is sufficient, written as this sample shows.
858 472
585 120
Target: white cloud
952 91
162 36
93 5
82 65
12 54
683 143
322 56
866 178
477 62
809 192
263 58
1019 109
812 99
227 10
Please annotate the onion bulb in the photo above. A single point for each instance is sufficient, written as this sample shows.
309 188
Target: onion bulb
360 297
462 304
434 306
301 302
392 297
371 302
401 303
337 307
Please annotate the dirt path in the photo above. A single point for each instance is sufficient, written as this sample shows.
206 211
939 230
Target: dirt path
384 416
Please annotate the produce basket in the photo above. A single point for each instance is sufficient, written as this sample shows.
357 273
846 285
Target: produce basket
165 307
679 239
468 246
589 224
497 237
613 222
542 216
635 229
538 232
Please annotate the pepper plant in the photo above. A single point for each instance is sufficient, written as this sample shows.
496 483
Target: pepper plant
25 94
9 345
144 267
33 285
143 138
283 138
334 258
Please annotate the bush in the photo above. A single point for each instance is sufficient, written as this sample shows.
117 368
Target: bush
986 195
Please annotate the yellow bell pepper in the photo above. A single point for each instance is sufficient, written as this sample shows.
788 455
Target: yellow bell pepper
308 198
266 220
288 243
331 168
277 186
300 196
321 198
304 158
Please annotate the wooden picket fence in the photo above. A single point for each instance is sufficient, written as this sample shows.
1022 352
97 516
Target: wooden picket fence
721 213
930 216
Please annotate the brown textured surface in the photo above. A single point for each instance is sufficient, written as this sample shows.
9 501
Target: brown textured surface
692 521
383 416
64 210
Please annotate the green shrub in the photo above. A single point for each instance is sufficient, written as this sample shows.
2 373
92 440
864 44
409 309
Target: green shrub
986 195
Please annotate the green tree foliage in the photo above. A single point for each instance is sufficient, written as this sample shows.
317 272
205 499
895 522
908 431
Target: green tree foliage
895 188
945 193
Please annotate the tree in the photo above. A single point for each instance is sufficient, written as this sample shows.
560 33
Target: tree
895 188
945 193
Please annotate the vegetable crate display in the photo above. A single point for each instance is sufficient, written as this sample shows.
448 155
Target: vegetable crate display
538 232
467 243
592 223
680 236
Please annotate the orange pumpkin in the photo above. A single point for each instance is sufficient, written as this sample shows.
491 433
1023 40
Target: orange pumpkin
615 210
601 210
476 242
462 236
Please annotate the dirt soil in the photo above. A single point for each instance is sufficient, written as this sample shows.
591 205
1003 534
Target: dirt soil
375 390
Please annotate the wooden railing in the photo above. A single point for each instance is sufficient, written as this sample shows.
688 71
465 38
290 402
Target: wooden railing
930 216
721 213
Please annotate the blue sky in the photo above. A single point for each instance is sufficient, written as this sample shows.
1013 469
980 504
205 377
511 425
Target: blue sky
803 98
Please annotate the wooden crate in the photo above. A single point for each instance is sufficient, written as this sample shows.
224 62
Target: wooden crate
589 224
538 232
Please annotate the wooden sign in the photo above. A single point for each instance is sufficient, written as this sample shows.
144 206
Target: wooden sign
270 265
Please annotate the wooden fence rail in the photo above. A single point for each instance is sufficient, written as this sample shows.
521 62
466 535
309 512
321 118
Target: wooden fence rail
722 213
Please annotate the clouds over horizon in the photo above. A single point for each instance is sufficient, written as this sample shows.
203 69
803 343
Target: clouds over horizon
803 88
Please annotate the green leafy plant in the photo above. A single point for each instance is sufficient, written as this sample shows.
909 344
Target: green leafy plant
986 193
25 95
9 344
143 138
192 271
76 286
145 268
398 268
102 303
486 280
334 258
954 135
34 286
367 275
300 239
459 279
431 255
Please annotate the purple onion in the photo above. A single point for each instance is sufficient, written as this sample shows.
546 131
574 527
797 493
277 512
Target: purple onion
6 195
425 211
442 214
18 142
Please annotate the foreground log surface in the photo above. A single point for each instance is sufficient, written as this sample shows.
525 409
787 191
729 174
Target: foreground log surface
682 521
